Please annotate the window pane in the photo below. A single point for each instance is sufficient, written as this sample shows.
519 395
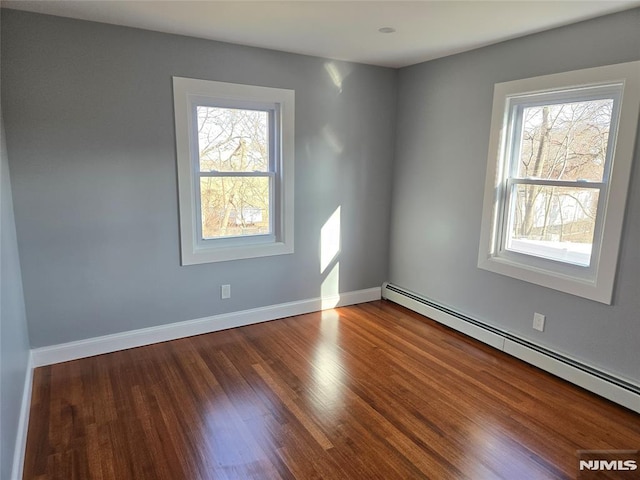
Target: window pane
233 140
234 206
566 141
553 222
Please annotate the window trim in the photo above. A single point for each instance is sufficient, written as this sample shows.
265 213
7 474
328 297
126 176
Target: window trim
597 283
189 93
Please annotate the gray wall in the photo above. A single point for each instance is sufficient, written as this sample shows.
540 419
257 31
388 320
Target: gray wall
14 343
444 110
89 121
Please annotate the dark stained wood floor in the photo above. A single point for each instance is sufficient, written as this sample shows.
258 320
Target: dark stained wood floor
372 391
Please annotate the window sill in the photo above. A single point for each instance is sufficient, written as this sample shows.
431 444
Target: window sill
579 286
210 254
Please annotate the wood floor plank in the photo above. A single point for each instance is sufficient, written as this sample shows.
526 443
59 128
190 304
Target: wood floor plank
288 399
363 392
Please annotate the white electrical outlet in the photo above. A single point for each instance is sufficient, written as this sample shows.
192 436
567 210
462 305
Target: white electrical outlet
538 322
225 291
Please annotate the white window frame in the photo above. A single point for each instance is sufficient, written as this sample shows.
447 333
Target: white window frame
596 281
188 94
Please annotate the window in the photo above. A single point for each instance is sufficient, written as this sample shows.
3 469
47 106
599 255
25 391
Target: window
235 170
560 155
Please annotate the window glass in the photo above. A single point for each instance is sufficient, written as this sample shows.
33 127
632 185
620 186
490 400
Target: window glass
557 223
233 140
235 206
565 141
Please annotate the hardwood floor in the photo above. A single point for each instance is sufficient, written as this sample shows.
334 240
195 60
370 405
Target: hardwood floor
372 391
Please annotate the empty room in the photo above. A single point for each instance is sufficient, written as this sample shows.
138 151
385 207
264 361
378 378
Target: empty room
304 240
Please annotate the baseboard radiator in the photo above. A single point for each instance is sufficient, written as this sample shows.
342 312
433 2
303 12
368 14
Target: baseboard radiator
602 383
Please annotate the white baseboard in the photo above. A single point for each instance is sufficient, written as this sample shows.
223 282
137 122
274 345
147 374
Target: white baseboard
23 423
553 362
162 333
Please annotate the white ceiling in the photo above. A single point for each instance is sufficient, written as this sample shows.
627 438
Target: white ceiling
343 30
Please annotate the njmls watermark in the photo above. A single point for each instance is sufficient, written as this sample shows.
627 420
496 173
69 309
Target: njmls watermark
608 464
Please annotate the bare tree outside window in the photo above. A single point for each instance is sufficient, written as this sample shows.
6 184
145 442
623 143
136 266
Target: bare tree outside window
235 171
566 143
